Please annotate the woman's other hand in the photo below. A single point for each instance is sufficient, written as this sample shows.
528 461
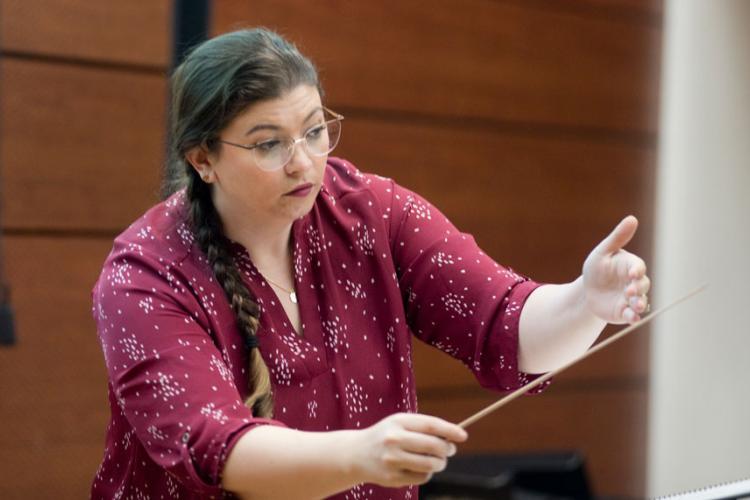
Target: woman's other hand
615 280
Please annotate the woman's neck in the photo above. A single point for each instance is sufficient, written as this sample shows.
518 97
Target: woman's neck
268 243
268 247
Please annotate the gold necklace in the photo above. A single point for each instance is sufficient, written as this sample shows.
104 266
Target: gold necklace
292 293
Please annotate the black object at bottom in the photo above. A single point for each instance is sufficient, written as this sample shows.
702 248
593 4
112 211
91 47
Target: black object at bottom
510 477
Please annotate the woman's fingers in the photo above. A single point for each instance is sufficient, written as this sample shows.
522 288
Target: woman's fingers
638 287
636 268
615 280
619 237
630 316
637 298
424 444
409 447
638 303
403 460
434 426
636 291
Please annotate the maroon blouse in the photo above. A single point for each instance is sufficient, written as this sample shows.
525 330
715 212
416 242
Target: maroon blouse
374 264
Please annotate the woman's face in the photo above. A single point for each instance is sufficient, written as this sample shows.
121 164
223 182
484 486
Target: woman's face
241 190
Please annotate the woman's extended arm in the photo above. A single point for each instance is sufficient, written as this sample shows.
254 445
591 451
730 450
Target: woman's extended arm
560 322
277 462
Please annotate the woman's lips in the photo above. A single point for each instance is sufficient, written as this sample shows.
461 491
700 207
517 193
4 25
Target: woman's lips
301 191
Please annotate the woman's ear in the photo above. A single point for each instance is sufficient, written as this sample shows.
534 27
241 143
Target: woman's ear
201 160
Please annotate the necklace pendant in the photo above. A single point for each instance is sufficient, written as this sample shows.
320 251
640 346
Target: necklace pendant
293 297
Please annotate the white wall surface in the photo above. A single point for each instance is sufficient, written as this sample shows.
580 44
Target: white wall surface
699 429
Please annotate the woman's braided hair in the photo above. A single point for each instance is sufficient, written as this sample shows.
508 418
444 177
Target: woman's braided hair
217 81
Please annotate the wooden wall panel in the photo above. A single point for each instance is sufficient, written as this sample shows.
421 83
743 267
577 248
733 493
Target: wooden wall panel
82 107
639 11
82 151
53 383
107 31
655 8
494 60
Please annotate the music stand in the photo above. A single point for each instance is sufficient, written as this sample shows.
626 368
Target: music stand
511 477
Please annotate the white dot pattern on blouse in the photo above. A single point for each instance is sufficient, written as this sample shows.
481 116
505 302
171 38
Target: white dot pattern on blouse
374 264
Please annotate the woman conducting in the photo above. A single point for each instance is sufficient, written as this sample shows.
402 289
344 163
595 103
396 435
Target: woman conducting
256 325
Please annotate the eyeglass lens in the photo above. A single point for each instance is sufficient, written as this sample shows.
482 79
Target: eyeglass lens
318 141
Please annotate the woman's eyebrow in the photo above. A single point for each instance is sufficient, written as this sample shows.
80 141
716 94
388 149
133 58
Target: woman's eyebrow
268 126
312 113
262 126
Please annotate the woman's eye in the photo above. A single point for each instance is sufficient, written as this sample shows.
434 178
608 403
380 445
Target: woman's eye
267 146
315 132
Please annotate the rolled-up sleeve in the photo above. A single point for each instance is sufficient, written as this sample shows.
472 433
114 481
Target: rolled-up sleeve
168 377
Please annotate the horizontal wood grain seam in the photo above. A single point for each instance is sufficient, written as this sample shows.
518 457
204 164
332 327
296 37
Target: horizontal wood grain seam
649 16
84 62
55 233
542 130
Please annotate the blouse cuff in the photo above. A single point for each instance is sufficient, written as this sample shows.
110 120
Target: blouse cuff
520 295
219 448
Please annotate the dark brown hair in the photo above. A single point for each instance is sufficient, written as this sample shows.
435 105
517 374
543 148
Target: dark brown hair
217 81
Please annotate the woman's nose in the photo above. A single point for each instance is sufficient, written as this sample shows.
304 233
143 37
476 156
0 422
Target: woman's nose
300 159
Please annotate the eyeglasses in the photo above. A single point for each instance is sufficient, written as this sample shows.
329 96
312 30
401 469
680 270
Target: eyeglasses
274 154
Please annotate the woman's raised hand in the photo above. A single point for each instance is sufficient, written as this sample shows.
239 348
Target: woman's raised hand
615 281
406 448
